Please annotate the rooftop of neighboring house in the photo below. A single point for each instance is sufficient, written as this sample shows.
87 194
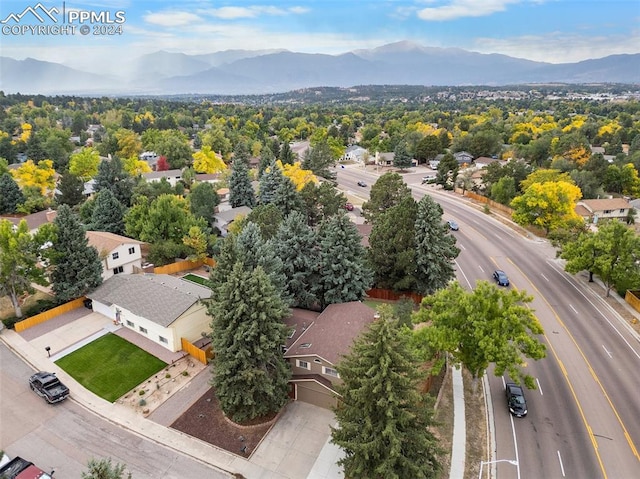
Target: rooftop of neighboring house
157 297
605 204
105 242
161 174
34 220
333 332
230 214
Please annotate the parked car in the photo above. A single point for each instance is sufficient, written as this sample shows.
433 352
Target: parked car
362 183
515 400
453 226
428 179
348 206
49 387
501 277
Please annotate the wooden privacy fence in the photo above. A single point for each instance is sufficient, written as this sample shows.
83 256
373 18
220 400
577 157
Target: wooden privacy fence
179 266
633 298
202 355
491 203
388 295
50 314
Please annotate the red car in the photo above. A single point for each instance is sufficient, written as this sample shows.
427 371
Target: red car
348 207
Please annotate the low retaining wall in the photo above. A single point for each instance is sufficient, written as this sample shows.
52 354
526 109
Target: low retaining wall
633 298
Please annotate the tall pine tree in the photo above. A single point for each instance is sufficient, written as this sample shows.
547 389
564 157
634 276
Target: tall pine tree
286 198
250 374
343 272
435 248
108 213
71 190
10 194
271 179
383 421
77 269
296 245
240 190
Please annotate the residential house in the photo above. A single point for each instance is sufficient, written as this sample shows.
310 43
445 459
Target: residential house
160 307
463 158
355 153
602 209
34 220
484 161
316 345
119 254
172 176
212 178
433 164
226 217
384 159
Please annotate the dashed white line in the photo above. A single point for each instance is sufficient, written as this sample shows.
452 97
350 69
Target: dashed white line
481 268
561 466
545 278
574 309
605 350
539 387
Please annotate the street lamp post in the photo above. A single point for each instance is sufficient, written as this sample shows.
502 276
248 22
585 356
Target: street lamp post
482 463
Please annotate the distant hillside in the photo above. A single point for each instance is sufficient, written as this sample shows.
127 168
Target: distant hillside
237 72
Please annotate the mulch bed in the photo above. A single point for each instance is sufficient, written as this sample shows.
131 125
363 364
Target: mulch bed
206 421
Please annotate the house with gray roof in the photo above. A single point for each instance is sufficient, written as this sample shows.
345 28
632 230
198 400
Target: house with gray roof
160 307
317 343
224 218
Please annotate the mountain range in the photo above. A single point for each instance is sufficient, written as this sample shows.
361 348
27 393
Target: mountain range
245 72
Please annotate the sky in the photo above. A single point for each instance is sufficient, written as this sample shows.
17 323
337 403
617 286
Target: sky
554 31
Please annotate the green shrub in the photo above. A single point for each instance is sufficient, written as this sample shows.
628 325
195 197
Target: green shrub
167 375
10 322
142 402
142 392
185 373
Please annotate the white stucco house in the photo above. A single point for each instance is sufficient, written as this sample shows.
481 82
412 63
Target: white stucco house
118 254
160 307
355 153
172 176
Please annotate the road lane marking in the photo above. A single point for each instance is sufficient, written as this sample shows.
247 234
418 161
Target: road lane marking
627 436
606 351
463 275
481 268
574 309
515 442
462 248
561 466
539 387
545 278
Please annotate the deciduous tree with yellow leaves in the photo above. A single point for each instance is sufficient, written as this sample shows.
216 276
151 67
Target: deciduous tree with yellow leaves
297 175
207 161
41 175
84 164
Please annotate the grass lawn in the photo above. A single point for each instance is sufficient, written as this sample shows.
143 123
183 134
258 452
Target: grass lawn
196 279
110 366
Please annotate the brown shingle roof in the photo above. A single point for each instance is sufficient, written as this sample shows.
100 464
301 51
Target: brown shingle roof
105 242
299 321
331 335
605 204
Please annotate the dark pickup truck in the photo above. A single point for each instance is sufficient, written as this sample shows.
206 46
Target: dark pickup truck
49 387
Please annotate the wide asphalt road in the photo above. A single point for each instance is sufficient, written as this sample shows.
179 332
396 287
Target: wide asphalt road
63 437
583 419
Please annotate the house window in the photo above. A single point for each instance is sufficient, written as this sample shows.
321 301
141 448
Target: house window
117 270
622 211
293 332
132 250
163 340
115 255
143 330
130 324
305 345
316 360
303 364
330 372
607 212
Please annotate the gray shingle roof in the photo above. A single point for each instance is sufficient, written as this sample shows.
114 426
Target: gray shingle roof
157 297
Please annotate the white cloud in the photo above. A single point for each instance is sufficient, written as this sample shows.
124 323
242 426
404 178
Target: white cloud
232 13
559 47
171 19
464 8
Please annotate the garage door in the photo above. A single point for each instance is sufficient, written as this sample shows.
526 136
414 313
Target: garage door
312 393
103 309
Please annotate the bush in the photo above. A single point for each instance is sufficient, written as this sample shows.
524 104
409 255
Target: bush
142 392
167 375
10 322
142 402
185 373
39 306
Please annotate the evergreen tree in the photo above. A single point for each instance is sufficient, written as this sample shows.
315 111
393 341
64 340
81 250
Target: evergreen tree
318 159
296 244
321 202
269 183
10 196
266 158
268 218
253 251
203 200
447 171
111 175
108 213
287 156
240 190
383 420
226 258
77 269
71 190
344 274
286 198
250 374
401 156
392 247
435 248
389 190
